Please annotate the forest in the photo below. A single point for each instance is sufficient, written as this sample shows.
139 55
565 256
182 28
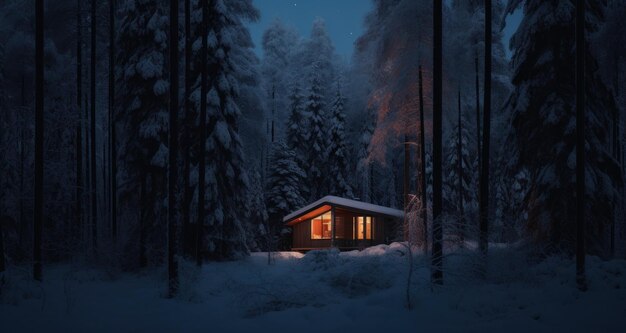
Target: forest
151 152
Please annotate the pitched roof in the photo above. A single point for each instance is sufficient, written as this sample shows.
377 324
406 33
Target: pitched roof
347 203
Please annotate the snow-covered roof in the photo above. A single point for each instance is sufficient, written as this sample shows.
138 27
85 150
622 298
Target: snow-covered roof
349 203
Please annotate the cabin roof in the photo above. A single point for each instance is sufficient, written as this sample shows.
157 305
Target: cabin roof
331 200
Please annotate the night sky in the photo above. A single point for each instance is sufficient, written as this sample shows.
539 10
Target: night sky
344 20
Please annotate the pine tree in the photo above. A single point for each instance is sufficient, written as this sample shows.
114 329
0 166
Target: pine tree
544 131
256 225
284 187
143 87
337 152
364 169
297 137
316 155
452 174
229 46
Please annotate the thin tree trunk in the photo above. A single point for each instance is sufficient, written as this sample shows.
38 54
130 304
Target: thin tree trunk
460 173
143 260
407 161
94 201
79 125
112 121
186 130
22 235
203 134
580 145
39 131
423 183
172 264
478 136
484 165
437 253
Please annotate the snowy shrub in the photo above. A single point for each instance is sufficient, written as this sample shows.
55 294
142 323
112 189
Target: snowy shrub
322 259
360 276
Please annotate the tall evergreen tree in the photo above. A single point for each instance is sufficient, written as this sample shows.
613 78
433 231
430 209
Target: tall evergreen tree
337 151
316 155
297 138
226 180
284 186
143 87
544 126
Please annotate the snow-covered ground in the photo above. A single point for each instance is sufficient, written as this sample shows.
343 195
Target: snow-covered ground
323 291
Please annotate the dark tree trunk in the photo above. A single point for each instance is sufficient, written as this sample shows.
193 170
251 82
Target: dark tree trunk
437 253
407 161
172 264
94 196
580 145
478 136
422 181
79 125
2 263
484 165
23 231
459 153
143 260
203 134
39 122
185 133
112 121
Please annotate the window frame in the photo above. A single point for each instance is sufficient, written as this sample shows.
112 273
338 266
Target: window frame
322 222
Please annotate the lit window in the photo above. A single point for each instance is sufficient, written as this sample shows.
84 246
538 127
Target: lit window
321 227
364 227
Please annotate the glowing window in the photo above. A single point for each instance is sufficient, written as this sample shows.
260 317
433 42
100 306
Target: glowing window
321 227
364 227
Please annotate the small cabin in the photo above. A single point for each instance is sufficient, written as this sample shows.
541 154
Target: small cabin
342 223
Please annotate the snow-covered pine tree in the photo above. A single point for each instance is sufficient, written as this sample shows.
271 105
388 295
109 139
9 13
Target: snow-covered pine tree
544 127
337 151
297 137
256 212
451 170
316 155
285 192
142 94
364 172
229 59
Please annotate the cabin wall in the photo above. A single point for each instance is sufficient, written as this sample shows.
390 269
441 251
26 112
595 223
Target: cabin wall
381 233
302 237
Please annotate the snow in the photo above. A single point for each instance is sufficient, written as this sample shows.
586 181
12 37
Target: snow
330 199
323 291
